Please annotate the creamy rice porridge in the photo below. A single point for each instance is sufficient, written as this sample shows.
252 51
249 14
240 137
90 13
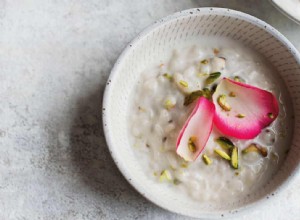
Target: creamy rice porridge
157 114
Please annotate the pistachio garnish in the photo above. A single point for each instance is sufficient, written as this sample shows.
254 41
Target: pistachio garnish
168 76
191 144
184 164
204 61
271 115
202 74
196 94
207 93
212 77
235 158
165 175
176 181
192 97
238 79
183 83
225 143
232 94
256 148
206 159
222 103
240 116
222 154
169 104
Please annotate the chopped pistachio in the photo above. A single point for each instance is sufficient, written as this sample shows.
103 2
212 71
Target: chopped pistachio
207 93
161 65
237 173
232 94
271 115
225 143
169 105
238 79
204 61
213 88
235 158
191 144
155 173
168 76
206 159
183 83
196 94
184 165
192 97
256 148
172 168
222 154
165 175
202 74
240 116
176 181
212 77
222 103
250 148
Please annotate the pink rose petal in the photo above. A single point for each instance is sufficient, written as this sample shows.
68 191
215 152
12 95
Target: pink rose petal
199 124
259 107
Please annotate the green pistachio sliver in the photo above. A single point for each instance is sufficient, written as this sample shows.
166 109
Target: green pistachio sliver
192 97
222 154
213 89
183 83
196 94
176 181
212 77
240 116
202 74
271 115
238 79
256 148
225 143
207 93
169 105
250 148
191 144
184 165
205 61
235 158
165 175
206 159
168 76
222 103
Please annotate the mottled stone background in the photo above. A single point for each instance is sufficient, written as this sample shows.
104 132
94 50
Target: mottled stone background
55 57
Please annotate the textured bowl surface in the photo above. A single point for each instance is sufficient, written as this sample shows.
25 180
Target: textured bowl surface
149 48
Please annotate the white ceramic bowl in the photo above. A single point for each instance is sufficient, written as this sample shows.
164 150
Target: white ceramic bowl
289 8
149 48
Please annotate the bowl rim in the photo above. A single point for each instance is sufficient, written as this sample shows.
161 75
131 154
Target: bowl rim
107 133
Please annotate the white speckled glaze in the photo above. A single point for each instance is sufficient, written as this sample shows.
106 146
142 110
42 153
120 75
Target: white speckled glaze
151 46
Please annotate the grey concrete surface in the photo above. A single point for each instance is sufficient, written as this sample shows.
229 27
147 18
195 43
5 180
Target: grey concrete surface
55 57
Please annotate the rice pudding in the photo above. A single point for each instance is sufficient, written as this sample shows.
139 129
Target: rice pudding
157 114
